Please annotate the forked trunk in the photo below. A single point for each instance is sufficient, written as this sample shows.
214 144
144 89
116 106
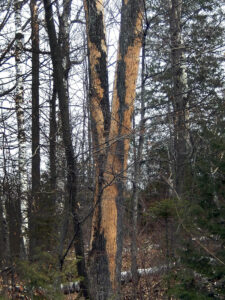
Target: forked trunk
111 140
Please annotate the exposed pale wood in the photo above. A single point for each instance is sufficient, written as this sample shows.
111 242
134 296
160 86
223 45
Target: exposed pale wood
116 164
110 161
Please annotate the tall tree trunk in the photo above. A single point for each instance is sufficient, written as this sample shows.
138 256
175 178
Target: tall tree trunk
64 44
98 95
19 100
106 242
52 162
9 248
35 201
67 139
137 169
52 138
179 95
100 122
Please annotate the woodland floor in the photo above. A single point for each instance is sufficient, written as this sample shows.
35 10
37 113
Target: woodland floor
149 255
152 287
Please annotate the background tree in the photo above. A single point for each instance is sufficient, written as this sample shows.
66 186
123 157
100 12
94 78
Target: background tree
56 53
35 201
19 102
201 96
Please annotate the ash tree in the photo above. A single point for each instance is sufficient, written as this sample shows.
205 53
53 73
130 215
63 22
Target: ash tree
110 134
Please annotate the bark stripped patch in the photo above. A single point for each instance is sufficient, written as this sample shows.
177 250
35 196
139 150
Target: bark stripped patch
109 227
99 6
108 191
99 103
119 137
97 94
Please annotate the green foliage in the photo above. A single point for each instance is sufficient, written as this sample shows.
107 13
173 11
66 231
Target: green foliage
199 219
163 209
200 272
186 291
198 216
40 274
43 275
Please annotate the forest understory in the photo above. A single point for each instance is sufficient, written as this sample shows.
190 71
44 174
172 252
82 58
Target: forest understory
153 248
149 287
112 122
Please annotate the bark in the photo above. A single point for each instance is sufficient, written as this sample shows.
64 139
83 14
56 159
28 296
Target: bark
19 101
67 139
13 218
52 162
111 165
98 95
179 95
5 212
52 138
137 168
35 201
216 200
3 234
64 39
64 44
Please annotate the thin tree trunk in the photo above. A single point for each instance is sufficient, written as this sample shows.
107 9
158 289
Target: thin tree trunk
52 162
64 43
64 39
215 193
171 156
52 138
179 96
35 201
3 233
90 167
8 247
67 139
13 218
137 169
19 100
4 230
106 242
